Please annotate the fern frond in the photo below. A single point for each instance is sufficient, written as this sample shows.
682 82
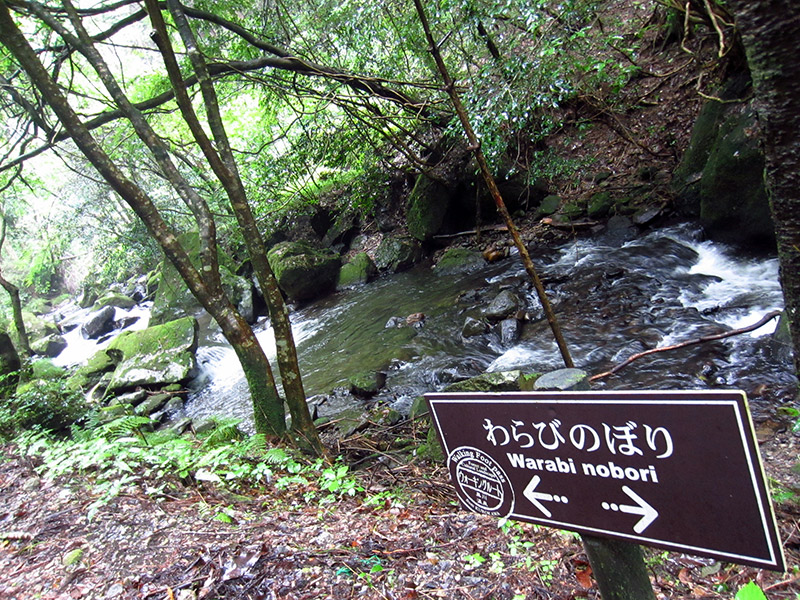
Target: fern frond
227 430
123 426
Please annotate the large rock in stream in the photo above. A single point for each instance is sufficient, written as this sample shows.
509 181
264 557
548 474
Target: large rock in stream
157 355
395 254
303 272
154 357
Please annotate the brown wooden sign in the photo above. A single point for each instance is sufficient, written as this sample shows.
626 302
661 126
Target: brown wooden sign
675 470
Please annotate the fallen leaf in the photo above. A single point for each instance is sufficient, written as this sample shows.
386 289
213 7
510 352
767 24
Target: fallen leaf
584 577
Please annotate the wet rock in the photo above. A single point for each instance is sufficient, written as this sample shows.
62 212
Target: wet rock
505 304
130 399
505 381
563 380
367 384
473 327
509 331
548 206
395 254
152 404
156 356
50 346
647 215
493 253
458 260
115 299
98 323
303 272
599 205
395 322
358 270
427 207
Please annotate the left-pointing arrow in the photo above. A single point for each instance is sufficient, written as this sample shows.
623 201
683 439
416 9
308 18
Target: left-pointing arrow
534 496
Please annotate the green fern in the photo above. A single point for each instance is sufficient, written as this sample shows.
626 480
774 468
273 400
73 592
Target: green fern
124 425
226 431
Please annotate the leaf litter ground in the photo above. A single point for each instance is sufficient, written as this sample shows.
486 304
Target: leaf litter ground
404 537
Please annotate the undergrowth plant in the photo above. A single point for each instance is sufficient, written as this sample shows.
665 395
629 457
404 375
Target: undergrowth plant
122 456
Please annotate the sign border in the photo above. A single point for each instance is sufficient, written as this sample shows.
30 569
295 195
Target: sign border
736 400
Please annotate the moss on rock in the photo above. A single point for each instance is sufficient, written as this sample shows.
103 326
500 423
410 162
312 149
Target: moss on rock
303 272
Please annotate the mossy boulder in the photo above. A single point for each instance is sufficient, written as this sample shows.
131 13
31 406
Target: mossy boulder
100 364
37 327
155 356
548 206
114 299
721 175
705 131
503 381
599 205
50 346
427 207
733 200
573 210
45 369
396 254
367 383
459 260
358 270
303 271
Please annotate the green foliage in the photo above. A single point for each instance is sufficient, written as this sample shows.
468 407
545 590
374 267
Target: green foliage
751 591
123 454
42 272
41 404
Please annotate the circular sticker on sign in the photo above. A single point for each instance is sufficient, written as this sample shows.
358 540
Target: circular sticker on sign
480 482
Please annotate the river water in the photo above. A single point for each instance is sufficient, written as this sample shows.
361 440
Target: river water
615 295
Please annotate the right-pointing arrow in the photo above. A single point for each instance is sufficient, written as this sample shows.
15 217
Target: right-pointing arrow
647 512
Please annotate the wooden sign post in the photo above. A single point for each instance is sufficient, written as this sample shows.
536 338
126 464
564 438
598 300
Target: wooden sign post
673 470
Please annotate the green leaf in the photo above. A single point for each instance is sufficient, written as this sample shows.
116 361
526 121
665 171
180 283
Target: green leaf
750 592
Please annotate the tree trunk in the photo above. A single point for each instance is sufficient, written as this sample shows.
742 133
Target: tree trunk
13 292
267 405
770 30
16 309
491 184
223 163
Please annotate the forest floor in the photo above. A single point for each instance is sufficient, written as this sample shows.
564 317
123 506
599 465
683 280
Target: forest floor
402 537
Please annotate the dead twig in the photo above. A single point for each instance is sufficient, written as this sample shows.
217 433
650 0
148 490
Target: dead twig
707 338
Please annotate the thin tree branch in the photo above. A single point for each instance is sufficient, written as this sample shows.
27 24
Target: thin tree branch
707 338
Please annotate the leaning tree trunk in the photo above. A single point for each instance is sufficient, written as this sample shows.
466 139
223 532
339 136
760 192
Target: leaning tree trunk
222 162
770 30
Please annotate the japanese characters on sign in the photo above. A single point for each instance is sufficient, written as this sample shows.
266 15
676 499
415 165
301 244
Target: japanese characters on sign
678 470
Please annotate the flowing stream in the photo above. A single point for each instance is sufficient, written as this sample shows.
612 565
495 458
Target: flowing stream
615 295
